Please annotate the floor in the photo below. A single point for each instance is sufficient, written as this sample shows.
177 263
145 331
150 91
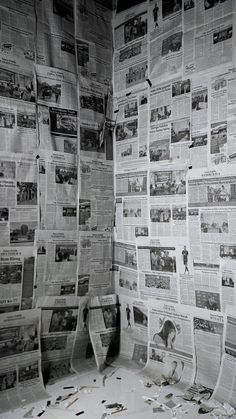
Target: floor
95 392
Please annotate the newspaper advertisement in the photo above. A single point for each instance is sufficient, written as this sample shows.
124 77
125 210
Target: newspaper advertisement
162 265
19 193
56 270
17 276
134 332
222 129
208 340
104 329
131 130
96 203
228 287
94 61
225 386
55 34
82 354
199 122
211 197
59 322
94 278
209 45
17 126
170 344
58 174
93 23
130 39
170 133
20 363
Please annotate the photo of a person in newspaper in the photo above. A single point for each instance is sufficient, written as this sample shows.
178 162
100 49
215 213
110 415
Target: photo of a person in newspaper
135 28
167 335
159 150
8 380
172 44
63 320
18 339
214 223
168 183
163 259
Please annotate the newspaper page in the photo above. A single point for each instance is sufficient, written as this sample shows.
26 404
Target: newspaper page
211 194
20 360
56 270
104 329
82 354
94 61
222 129
170 344
59 322
134 332
17 276
228 287
208 340
198 13
131 130
55 34
209 45
17 32
169 128
162 266
131 205
199 121
58 191
94 264
96 202
130 42
168 205
17 126
225 390
93 23
19 197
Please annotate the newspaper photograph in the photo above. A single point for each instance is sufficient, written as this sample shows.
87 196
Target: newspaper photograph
168 185
82 355
94 278
59 322
130 26
168 220
104 329
170 344
131 183
134 333
17 277
225 386
20 359
207 285
92 101
17 80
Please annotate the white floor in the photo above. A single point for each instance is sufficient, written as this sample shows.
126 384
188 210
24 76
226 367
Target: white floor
128 389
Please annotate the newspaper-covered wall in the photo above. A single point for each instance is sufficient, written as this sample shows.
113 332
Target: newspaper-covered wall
175 189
